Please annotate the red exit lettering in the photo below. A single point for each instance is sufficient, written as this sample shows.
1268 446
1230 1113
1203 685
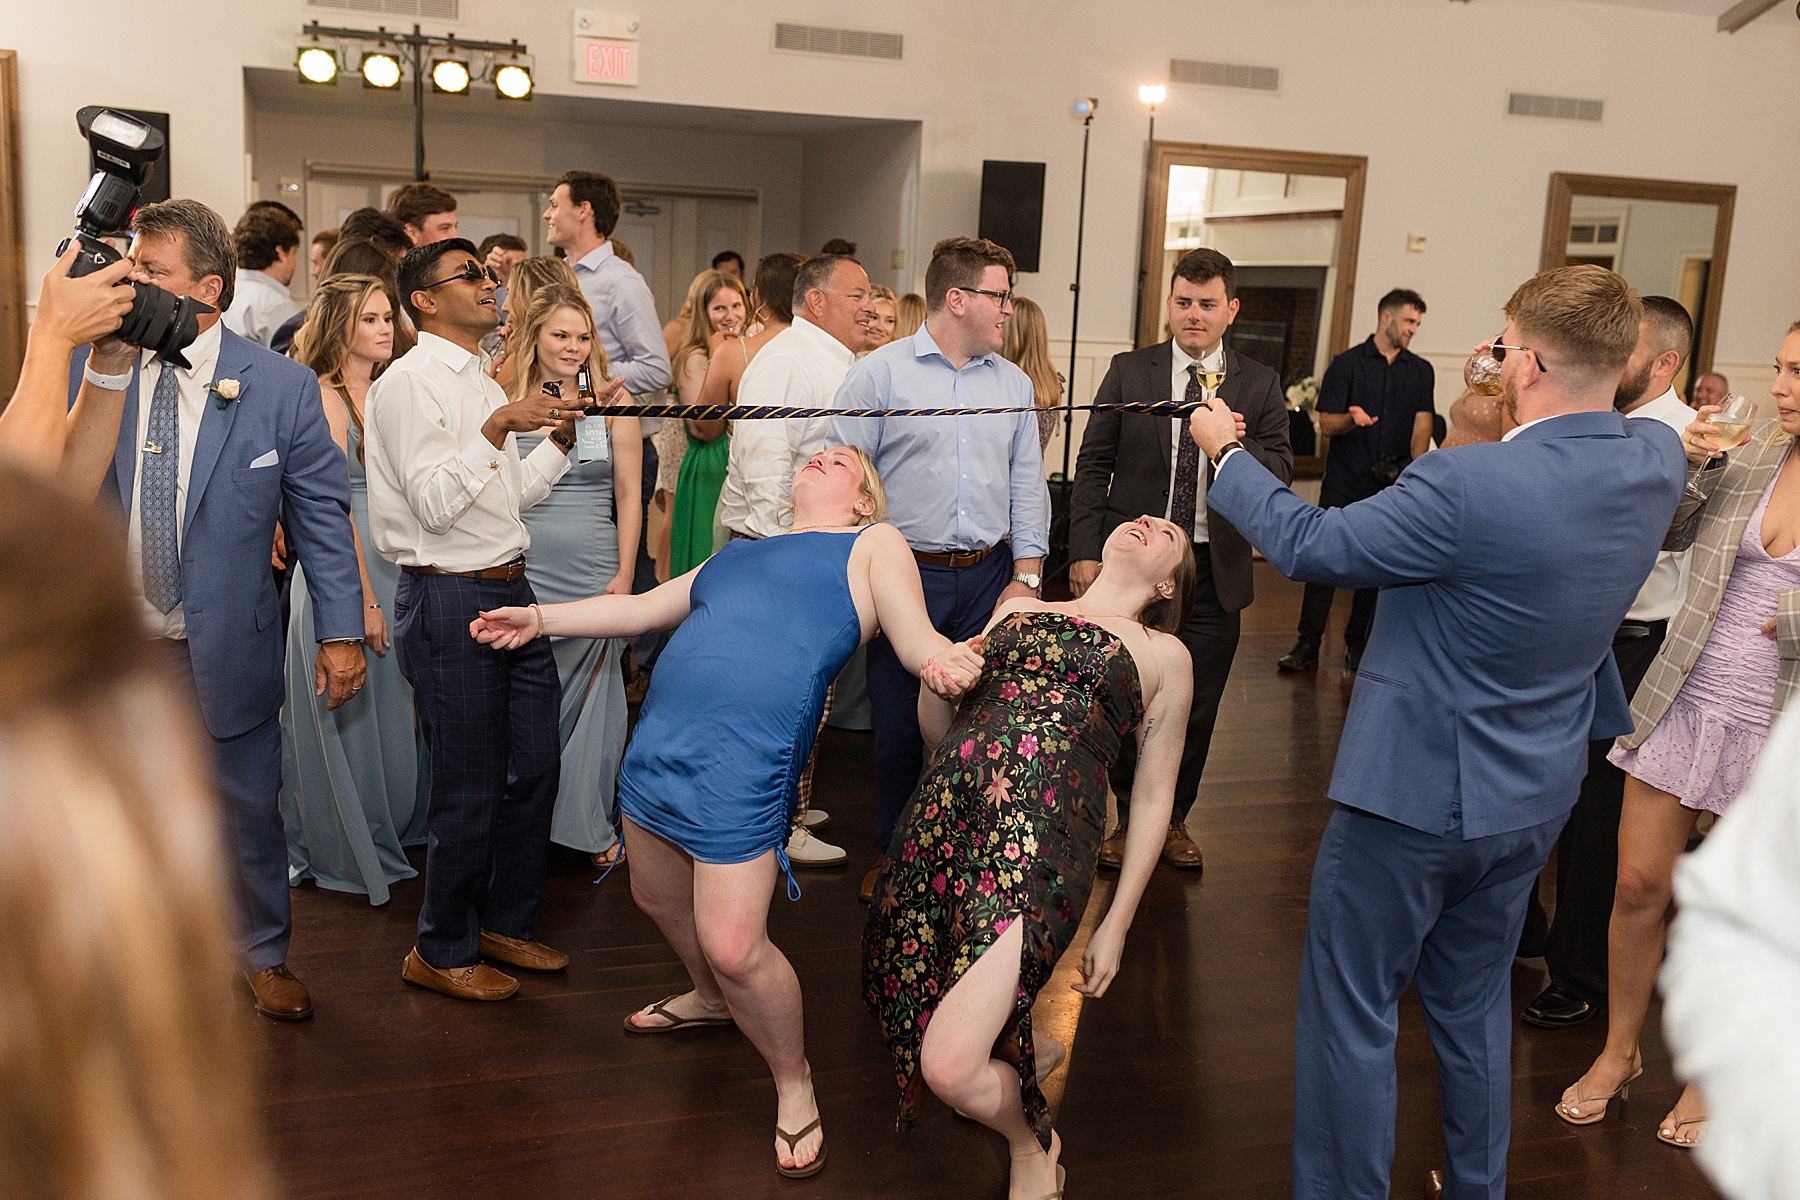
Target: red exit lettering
608 62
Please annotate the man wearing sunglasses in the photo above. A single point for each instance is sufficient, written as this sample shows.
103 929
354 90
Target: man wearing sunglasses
1506 568
446 485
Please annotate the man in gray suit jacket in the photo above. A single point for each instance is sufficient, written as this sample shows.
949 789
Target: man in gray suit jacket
200 459
1135 464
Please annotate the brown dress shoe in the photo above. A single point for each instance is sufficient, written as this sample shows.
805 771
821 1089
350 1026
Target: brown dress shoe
1434 1185
479 982
1179 850
867 893
1112 850
532 956
279 995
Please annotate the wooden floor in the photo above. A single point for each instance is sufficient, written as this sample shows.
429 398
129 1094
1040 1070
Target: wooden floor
1179 1081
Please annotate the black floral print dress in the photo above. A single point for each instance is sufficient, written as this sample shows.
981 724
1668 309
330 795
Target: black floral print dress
1006 824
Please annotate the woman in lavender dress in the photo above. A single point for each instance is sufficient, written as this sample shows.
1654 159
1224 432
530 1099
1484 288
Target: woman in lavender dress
1730 662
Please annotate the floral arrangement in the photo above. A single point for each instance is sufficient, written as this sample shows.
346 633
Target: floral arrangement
226 390
1303 394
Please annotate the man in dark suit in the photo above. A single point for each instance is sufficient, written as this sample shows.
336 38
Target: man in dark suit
197 457
1506 567
1135 464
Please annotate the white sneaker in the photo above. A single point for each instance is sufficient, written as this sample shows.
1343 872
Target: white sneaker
805 850
815 818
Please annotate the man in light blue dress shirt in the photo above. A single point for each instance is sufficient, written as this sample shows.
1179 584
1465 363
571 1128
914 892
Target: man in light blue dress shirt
583 212
968 492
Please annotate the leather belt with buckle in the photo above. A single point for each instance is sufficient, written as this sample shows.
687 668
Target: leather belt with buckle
954 559
507 571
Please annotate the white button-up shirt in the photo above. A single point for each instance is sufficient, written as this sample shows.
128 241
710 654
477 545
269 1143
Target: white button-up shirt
192 396
802 365
1660 597
1178 383
440 494
260 304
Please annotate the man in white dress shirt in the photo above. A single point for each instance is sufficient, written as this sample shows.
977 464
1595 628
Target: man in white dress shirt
446 486
804 364
1587 852
267 241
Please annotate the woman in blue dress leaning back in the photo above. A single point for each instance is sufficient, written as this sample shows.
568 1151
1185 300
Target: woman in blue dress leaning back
354 782
708 785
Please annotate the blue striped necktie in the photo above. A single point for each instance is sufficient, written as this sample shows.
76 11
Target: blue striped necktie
157 473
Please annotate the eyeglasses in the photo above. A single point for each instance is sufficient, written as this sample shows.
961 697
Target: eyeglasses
472 272
1499 349
1005 298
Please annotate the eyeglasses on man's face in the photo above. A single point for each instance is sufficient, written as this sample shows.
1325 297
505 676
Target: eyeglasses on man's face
472 272
1005 299
1498 349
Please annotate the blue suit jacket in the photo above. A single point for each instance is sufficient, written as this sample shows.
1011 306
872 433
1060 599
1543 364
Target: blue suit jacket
1505 568
227 588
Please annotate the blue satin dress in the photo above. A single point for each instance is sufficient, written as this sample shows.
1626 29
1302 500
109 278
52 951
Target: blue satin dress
734 702
574 554
354 782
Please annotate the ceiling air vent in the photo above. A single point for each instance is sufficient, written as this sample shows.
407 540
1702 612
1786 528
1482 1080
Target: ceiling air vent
1561 108
436 10
1230 75
845 43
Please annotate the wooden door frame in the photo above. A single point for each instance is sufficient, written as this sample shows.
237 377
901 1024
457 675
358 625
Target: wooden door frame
13 325
1353 169
1566 185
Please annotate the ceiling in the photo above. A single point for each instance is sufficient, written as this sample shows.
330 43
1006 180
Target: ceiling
280 89
1701 8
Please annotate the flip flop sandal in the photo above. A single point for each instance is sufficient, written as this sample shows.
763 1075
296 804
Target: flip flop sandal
810 1169
1673 1137
660 1009
1061 1175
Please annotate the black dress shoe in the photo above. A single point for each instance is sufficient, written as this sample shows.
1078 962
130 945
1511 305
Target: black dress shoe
1556 1007
1434 1185
1303 657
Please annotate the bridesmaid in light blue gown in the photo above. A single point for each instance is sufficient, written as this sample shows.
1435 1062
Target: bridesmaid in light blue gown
354 781
577 551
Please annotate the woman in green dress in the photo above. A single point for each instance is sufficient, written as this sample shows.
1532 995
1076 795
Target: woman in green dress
990 870
717 323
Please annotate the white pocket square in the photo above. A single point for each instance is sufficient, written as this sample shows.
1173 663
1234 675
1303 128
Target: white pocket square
266 460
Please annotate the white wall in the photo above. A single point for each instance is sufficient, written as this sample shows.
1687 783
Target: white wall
1416 85
863 185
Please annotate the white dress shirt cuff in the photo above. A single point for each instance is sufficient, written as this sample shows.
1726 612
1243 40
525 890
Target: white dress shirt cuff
482 461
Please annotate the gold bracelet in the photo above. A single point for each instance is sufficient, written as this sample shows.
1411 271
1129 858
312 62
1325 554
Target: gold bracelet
539 614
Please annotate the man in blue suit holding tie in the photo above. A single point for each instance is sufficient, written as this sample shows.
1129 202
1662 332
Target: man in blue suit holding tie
228 439
1505 569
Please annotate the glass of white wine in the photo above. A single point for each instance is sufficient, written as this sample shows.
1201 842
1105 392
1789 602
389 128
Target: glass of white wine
1732 421
1212 380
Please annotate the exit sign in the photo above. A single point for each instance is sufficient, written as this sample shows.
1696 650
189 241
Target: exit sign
606 61
606 48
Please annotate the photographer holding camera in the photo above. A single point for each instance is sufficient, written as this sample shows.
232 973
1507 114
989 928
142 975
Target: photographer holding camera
1375 405
198 445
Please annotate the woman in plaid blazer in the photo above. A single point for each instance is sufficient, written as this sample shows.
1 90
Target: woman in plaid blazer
1731 661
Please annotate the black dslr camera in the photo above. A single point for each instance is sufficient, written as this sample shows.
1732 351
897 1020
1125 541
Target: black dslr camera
123 150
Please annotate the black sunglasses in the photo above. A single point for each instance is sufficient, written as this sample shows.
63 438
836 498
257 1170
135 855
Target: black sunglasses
472 272
1498 349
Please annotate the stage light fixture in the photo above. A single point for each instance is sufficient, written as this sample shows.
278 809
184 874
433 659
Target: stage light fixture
513 82
1153 94
316 64
380 69
450 76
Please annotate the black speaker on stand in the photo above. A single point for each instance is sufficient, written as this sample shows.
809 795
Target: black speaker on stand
1012 208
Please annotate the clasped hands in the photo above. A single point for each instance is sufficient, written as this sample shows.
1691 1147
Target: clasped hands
505 628
952 671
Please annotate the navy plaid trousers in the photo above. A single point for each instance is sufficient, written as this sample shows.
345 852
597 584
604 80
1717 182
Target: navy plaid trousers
490 722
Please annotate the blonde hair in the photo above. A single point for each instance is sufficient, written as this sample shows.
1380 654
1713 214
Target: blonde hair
125 1071
323 343
871 488
909 314
1585 315
1025 343
878 291
706 285
528 275
545 303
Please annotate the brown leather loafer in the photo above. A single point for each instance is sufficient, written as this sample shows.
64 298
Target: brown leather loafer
279 996
479 982
1112 850
1434 1185
532 956
1179 850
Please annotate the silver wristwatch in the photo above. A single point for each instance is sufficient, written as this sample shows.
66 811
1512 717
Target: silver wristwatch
1030 579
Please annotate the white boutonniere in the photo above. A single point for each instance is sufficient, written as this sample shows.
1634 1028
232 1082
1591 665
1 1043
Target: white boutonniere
225 389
